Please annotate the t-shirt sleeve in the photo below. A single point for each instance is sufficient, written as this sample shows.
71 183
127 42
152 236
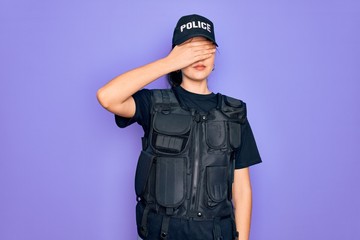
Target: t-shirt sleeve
248 153
142 100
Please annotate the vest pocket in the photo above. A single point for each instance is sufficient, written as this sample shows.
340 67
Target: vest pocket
216 184
216 134
143 171
170 181
234 134
170 132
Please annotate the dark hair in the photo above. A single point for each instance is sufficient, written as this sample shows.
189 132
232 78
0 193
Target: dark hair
175 78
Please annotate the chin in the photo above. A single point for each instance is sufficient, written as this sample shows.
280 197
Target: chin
199 76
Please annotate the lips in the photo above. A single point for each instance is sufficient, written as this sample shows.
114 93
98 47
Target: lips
199 67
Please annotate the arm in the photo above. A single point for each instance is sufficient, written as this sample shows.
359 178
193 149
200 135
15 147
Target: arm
116 95
242 199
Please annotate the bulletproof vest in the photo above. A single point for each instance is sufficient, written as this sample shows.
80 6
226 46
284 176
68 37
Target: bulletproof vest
186 165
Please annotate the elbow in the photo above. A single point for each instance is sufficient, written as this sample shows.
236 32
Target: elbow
101 97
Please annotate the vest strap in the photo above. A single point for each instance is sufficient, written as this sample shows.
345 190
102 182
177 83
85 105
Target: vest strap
164 227
143 226
165 100
165 96
217 229
169 211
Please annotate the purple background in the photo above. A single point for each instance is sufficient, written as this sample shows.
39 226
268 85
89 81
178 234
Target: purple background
67 171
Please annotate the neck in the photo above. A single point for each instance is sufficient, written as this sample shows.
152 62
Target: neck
199 87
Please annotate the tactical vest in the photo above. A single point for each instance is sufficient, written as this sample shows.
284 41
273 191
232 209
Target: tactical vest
186 166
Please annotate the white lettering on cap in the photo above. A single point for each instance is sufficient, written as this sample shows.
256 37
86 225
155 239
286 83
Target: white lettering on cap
197 24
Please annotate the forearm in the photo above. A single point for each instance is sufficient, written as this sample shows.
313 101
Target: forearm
125 85
243 205
115 96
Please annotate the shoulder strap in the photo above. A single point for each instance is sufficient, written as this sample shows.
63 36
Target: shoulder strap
233 102
164 99
234 108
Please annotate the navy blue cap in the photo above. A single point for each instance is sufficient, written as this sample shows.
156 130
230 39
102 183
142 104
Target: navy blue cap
193 26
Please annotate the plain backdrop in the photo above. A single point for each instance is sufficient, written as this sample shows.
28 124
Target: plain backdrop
67 171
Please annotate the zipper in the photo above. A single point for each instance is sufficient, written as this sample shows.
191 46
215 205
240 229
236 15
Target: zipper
196 167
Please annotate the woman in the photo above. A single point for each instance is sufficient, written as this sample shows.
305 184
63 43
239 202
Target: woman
192 178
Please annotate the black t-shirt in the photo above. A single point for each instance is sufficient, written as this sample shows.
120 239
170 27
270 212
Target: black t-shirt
246 155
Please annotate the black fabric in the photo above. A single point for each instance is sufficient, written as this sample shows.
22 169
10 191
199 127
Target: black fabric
192 26
142 172
245 156
170 170
181 229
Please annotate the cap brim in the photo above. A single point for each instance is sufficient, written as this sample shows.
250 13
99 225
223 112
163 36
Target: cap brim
187 37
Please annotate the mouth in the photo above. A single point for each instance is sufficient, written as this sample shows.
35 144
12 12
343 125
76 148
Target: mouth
199 67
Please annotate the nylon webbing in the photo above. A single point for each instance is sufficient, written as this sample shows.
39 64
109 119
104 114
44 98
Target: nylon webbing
165 96
217 229
143 227
165 100
164 227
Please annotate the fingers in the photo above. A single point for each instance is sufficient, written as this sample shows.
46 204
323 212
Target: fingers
202 50
207 50
197 48
202 57
192 51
